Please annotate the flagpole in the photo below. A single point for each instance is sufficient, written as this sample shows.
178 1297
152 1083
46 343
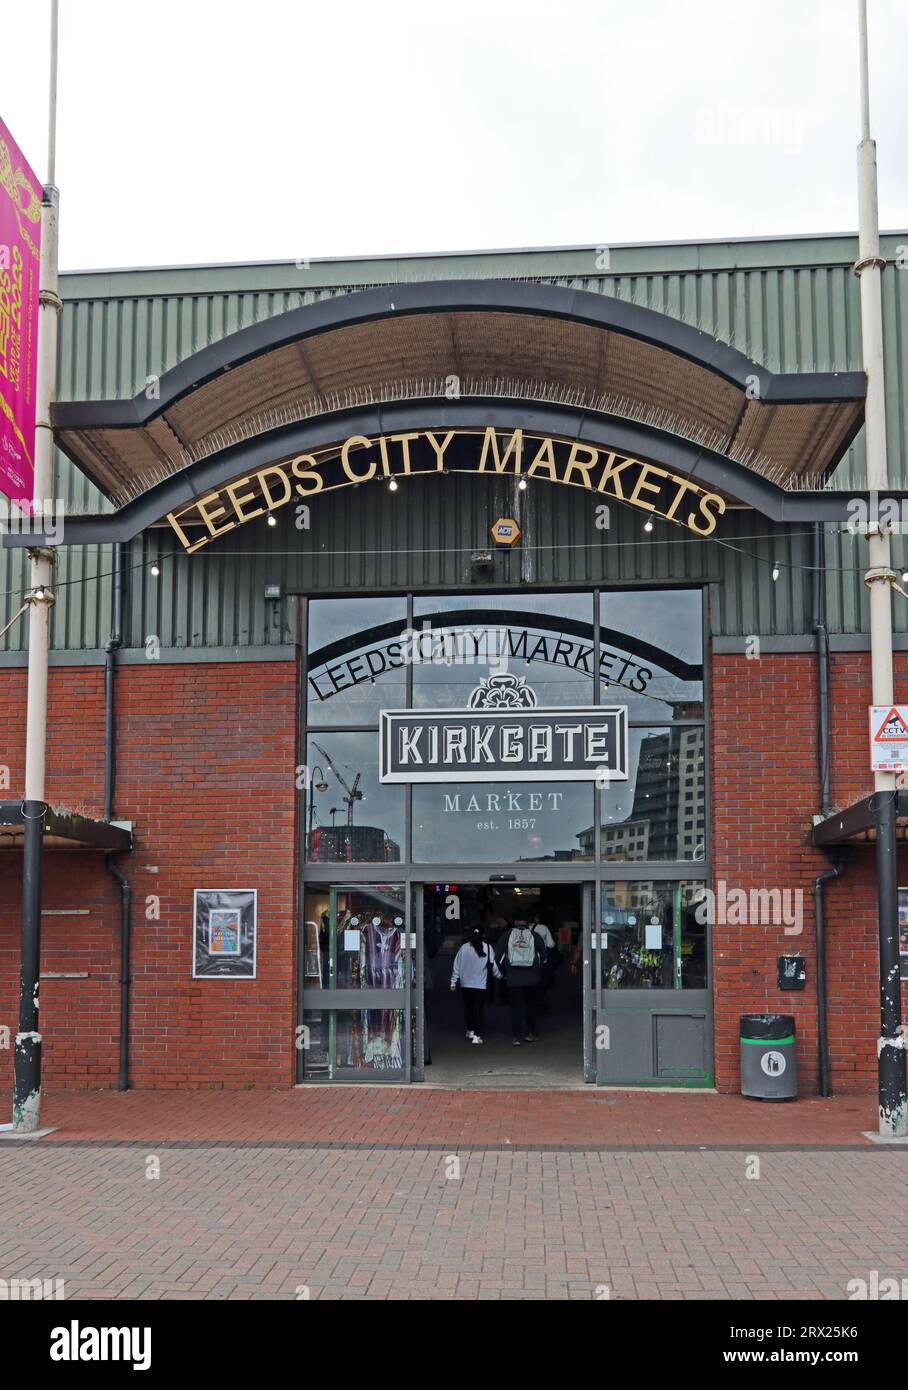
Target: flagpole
893 1121
39 600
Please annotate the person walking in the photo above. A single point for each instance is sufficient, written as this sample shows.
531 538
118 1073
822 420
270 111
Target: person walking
552 959
472 964
521 956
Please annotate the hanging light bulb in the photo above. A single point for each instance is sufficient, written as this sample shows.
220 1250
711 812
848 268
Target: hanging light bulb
392 486
272 520
522 485
905 576
647 525
775 573
155 571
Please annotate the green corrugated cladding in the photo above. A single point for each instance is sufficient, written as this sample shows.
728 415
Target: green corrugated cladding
791 303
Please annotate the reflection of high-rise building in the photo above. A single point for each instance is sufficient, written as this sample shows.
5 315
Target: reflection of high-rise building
668 814
621 843
691 843
351 844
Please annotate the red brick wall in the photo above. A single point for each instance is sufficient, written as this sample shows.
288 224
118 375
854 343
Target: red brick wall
765 791
206 755
205 768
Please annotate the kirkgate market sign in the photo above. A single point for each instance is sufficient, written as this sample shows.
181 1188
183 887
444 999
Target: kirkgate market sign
503 735
360 459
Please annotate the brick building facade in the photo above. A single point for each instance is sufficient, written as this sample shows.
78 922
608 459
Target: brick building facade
198 766
318 456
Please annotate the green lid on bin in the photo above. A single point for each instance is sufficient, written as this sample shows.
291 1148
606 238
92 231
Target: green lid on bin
767 1028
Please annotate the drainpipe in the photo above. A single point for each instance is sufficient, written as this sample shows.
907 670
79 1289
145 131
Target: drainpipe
110 771
125 905
114 642
822 1007
822 636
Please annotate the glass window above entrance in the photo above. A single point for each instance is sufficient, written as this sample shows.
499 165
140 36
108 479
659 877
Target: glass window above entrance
356 659
469 728
498 824
661 630
352 817
544 640
659 813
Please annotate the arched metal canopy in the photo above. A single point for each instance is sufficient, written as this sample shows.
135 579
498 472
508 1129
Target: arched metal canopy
576 363
713 470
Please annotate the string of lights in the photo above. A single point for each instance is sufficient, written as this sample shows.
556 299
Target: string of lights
153 565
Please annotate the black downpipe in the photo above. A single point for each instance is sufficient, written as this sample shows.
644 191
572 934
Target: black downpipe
110 775
819 883
822 1005
822 636
114 642
125 921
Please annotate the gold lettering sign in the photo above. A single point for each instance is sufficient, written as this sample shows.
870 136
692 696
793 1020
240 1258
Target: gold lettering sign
360 459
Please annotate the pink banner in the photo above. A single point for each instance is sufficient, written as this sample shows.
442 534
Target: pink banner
20 242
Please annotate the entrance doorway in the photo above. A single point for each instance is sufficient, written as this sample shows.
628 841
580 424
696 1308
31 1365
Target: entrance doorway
625 1000
555 1058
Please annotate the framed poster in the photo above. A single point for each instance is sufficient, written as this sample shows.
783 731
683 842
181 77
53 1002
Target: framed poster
224 929
903 933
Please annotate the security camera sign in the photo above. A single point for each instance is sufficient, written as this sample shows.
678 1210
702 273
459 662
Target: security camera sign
889 738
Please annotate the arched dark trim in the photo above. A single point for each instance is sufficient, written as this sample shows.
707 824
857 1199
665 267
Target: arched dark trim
545 622
462 296
645 442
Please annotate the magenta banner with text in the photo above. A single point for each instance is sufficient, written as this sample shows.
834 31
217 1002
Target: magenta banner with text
20 244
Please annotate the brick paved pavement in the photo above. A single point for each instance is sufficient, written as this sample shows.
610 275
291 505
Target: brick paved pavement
417 1115
252 1221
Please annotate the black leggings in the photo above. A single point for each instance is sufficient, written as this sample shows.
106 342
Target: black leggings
524 1007
474 1008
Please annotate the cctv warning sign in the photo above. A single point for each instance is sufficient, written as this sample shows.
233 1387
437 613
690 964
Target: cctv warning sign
888 738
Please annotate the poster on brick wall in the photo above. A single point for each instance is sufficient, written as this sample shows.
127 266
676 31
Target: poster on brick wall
903 933
224 926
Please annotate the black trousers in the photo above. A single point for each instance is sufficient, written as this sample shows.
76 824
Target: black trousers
524 1008
474 1009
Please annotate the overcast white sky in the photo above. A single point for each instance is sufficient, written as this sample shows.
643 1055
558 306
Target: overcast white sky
212 130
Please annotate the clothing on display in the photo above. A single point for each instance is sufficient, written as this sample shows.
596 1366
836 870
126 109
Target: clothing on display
375 1034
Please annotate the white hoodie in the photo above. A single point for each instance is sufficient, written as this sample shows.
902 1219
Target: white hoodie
472 970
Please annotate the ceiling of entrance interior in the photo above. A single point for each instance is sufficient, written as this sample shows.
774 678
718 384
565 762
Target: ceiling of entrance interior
493 340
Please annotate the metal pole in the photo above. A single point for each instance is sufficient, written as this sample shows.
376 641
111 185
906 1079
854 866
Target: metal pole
879 579
27 1085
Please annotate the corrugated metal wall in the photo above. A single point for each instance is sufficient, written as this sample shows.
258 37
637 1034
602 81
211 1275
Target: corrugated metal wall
792 304
423 536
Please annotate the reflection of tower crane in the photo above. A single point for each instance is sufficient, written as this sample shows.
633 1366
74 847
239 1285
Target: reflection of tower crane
353 793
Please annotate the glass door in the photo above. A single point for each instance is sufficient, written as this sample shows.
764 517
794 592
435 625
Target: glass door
650 968
356 976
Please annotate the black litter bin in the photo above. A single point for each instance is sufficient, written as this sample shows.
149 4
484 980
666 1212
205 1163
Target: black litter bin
768 1070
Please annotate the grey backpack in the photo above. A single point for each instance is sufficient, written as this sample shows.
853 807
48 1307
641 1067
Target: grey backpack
521 947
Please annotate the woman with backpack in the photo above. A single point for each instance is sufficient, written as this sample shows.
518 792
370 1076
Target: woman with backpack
471 971
521 956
